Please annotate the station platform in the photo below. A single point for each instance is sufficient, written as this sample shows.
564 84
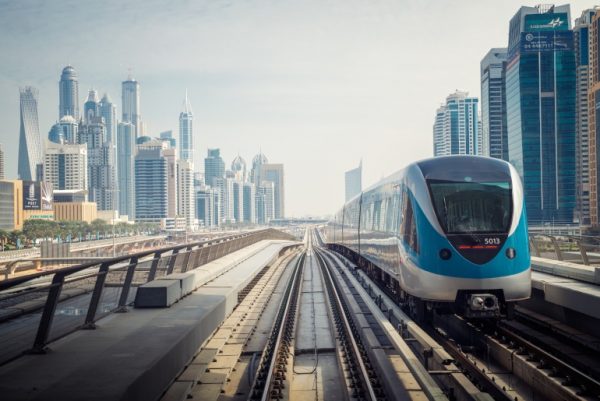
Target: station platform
569 285
136 355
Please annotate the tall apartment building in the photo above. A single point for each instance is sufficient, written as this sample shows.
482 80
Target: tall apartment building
185 192
265 202
65 166
274 173
249 200
208 204
456 126
214 167
151 184
130 104
126 151
68 89
186 132
494 130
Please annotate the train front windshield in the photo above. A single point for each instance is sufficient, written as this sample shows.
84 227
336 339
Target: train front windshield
467 206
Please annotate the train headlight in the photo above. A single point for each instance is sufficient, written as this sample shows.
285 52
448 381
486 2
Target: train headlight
477 302
511 253
445 254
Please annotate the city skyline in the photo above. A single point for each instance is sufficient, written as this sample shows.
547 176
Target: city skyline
367 79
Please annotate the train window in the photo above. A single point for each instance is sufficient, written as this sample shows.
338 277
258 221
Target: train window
376 215
408 228
474 207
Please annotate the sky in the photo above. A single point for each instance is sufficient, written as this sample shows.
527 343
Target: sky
316 85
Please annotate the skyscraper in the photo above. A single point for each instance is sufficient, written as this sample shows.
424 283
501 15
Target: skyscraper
131 104
101 161
91 107
186 135
265 200
185 192
68 89
440 147
249 200
540 102
108 111
494 132
274 173
151 183
238 201
30 143
456 126
225 186
214 167
170 156
126 150
70 129
65 166
594 118
238 167
353 181
257 162
208 201
1 162
581 36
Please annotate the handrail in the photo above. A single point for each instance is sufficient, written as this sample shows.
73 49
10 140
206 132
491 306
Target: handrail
220 245
6 284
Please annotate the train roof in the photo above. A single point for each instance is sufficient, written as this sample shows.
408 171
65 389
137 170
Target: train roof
441 163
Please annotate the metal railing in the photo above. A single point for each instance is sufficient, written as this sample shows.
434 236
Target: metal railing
40 308
577 249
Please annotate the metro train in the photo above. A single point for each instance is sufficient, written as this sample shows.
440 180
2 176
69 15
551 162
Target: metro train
447 234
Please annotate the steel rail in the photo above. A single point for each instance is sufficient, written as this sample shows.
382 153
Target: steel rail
262 386
339 306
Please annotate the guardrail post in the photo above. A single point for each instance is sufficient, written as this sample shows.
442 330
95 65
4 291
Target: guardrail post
197 254
534 245
154 266
41 338
583 251
172 261
229 246
186 260
556 248
208 256
96 295
122 307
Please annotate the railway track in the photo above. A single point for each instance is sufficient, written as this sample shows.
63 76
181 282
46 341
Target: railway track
277 365
507 360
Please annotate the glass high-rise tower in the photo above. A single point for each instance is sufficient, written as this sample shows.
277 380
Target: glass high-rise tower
108 111
541 110
68 89
30 142
494 135
214 167
126 151
131 104
186 137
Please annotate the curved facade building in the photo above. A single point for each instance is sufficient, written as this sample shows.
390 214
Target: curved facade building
30 143
68 89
